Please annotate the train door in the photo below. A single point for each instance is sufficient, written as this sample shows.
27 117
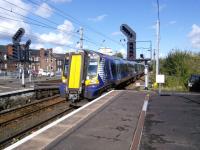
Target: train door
75 73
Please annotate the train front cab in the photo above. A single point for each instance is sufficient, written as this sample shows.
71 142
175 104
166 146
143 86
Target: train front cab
83 78
75 76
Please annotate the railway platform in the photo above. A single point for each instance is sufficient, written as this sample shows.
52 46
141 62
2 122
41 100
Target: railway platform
14 86
113 121
120 120
172 122
15 91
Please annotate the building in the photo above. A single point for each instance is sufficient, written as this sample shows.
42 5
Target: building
4 63
59 61
40 59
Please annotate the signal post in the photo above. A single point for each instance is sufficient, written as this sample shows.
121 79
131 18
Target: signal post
19 53
131 49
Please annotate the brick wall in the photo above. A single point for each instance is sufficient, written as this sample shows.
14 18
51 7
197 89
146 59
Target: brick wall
41 59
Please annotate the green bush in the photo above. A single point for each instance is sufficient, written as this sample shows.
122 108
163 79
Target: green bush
177 67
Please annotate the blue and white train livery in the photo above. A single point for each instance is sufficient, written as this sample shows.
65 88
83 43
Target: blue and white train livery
90 73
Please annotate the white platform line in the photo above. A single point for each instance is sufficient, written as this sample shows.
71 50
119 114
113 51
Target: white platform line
53 124
144 107
139 129
17 91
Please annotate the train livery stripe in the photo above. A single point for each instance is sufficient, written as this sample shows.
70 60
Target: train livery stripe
75 72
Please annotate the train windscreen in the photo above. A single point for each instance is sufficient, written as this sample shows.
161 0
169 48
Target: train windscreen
92 68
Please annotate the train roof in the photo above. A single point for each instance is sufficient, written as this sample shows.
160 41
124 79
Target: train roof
107 56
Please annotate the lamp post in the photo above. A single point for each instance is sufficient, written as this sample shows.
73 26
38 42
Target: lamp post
157 38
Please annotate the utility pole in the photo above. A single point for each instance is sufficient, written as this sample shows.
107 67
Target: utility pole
158 39
81 37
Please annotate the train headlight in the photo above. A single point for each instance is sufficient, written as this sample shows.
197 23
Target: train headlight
64 80
91 81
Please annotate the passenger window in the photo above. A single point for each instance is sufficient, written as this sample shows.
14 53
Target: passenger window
113 68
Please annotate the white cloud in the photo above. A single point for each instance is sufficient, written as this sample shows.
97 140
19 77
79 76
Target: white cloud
8 26
194 36
98 18
172 22
61 1
59 49
59 38
55 38
67 26
37 46
44 10
116 33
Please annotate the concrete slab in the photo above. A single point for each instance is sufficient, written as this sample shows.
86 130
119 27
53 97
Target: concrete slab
111 129
172 122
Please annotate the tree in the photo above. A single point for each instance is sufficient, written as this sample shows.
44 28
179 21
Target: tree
118 54
178 66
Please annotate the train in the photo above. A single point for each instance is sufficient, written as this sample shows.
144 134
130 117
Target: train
87 74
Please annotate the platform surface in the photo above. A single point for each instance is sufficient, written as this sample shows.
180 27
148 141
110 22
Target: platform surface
107 123
15 85
111 129
172 123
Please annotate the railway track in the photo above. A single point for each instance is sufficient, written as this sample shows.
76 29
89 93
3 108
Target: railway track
19 122
8 116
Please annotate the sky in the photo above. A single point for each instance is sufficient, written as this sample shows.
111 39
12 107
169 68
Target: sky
56 24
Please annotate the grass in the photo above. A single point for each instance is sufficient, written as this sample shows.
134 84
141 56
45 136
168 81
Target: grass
172 83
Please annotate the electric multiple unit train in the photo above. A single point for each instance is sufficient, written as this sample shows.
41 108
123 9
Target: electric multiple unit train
88 74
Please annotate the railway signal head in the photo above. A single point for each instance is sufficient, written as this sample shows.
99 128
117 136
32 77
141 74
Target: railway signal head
16 55
18 35
27 52
9 50
131 50
28 43
128 32
13 52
